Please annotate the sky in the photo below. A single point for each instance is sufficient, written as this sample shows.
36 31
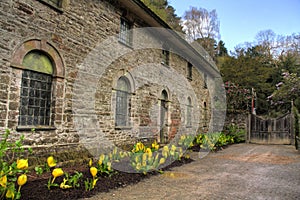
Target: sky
241 20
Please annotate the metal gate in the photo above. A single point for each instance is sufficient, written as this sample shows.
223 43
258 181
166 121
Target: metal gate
271 130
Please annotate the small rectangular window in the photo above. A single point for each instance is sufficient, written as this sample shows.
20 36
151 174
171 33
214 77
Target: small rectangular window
165 57
125 35
205 82
190 71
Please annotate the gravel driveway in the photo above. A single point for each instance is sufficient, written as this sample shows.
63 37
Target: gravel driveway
241 171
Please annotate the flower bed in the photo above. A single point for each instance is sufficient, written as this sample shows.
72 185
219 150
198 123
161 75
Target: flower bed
98 175
36 188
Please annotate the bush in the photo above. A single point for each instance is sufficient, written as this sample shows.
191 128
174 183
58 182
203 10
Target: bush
237 133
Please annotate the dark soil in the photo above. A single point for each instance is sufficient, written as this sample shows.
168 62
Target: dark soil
36 187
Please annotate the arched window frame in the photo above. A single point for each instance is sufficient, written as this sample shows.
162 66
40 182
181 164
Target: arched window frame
189 110
164 117
36 90
57 76
123 111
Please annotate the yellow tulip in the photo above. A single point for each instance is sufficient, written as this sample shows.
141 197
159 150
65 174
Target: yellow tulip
94 182
144 157
162 161
22 179
182 137
138 166
165 151
10 194
155 145
108 166
22 163
173 148
90 162
115 151
149 152
51 162
140 146
57 172
3 180
166 148
101 158
63 185
144 163
93 171
122 154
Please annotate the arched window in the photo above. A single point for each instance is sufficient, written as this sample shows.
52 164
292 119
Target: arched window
123 102
189 112
36 90
163 116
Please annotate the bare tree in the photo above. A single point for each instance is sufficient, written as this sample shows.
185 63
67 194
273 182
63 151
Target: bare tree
267 39
202 26
200 23
276 45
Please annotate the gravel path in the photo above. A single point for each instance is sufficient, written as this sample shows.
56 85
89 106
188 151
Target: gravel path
241 171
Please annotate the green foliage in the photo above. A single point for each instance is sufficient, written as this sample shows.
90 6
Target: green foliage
150 159
212 141
236 133
38 170
259 65
11 166
104 164
165 11
186 141
288 90
71 180
252 68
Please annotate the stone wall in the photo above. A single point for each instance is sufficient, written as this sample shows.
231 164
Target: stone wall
83 100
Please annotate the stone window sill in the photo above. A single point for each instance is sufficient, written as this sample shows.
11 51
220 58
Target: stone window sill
29 128
123 127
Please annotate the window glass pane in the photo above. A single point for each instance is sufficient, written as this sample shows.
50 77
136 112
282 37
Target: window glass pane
205 81
35 104
125 35
166 57
122 102
190 71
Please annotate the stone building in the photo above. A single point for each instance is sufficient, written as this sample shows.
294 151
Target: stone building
90 72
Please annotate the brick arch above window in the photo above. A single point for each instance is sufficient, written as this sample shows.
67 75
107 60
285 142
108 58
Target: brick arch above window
41 45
